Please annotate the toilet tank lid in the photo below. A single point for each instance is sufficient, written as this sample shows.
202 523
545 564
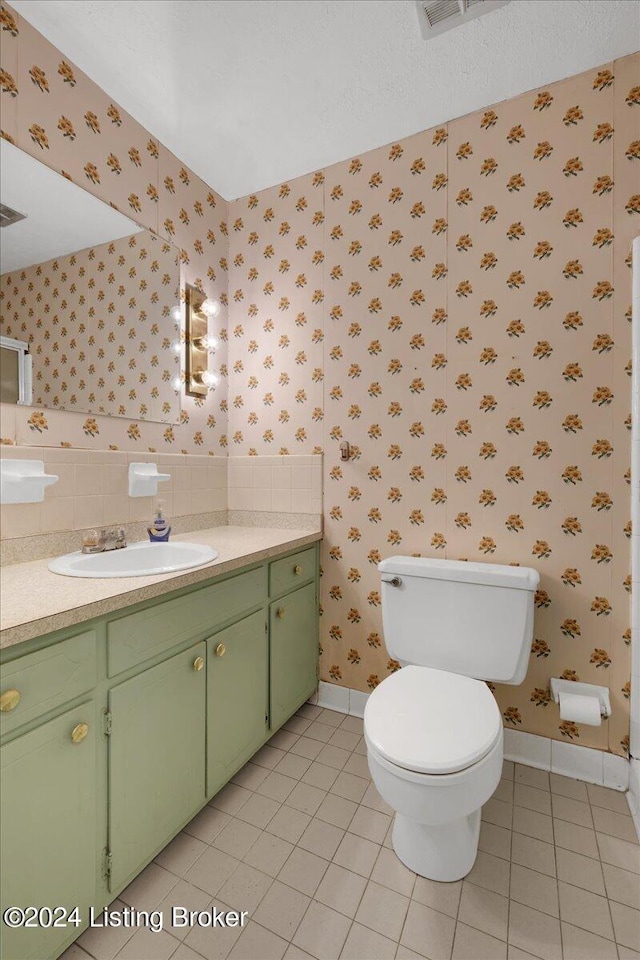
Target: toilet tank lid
462 571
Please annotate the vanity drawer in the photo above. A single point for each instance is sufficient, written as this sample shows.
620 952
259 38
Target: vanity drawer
139 636
39 682
290 572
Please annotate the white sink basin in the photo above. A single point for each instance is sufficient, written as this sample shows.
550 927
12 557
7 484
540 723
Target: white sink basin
141 559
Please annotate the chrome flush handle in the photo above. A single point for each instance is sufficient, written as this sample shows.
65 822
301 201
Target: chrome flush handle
394 581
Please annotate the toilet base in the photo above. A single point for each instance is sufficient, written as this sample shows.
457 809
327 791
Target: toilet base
445 852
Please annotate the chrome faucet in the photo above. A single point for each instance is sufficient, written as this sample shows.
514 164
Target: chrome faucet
113 539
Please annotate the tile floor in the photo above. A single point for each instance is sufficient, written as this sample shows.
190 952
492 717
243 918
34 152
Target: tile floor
301 840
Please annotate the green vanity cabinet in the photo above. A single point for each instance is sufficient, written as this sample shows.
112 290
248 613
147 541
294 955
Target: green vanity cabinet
237 697
48 827
156 758
293 652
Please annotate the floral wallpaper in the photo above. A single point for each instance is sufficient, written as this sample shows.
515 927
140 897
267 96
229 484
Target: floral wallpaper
475 294
100 327
56 113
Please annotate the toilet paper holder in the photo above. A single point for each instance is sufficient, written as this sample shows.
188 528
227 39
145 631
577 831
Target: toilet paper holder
582 689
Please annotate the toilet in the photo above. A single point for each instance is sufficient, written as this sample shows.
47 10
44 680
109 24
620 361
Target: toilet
433 729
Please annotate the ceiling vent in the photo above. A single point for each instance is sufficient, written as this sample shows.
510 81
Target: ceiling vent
8 216
437 16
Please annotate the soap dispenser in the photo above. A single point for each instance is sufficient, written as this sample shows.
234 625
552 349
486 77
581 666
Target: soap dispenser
159 528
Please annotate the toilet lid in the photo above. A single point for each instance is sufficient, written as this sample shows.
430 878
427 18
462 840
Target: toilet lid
432 721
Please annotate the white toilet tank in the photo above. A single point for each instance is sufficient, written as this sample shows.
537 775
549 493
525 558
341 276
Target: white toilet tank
475 619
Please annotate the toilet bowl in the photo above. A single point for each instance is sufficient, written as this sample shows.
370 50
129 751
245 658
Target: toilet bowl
434 745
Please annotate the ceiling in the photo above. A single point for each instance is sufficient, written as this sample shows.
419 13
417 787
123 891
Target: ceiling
250 93
61 217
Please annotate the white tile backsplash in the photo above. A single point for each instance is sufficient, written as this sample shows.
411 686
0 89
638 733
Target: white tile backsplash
291 484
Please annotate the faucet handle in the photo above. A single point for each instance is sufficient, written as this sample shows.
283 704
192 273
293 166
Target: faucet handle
121 538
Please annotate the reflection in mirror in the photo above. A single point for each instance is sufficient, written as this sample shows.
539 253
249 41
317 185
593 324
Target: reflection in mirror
93 295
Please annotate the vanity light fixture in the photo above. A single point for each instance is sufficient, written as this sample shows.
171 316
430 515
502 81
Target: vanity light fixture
176 314
198 311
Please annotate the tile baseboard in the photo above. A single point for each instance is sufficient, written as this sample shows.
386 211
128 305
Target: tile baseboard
579 763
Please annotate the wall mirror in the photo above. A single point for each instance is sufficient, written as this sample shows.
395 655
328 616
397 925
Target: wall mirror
89 294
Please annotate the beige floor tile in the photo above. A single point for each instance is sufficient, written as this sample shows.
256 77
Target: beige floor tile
495 840
471 944
535 890
268 757
622 885
320 775
250 776
342 738
508 769
147 945
231 797
150 887
236 838
297 724
211 870
625 953
182 895
390 872
289 824
214 945
321 838
572 810
307 748
104 943
504 791
358 765
531 777
491 872
535 854
586 910
569 836
74 952
336 810
515 953
373 799
322 932
626 923
281 910
293 766
320 732
258 810
581 871
566 787
382 910
185 953
334 757
268 854
403 953
245 888
276 786
283 739
484 910
353 725
333 717
180 854
350 787
305 798
609 799
532 798
427 932
443 897
579 944
295 953
370 824
534 932
207 824
257 943
620 853
365 944
533 824
357 854
498 812
303 871
614 824
341 890
309 711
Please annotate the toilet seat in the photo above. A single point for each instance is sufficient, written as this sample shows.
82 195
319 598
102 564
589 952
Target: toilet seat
432 721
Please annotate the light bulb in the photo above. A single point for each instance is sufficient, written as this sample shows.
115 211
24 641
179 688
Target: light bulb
209 379
209 342
176 346
210 307
176 313
176 383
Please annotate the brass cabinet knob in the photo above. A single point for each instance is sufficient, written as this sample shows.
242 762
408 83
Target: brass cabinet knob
297 569
198 663
280 613
220 650
79 732
9 700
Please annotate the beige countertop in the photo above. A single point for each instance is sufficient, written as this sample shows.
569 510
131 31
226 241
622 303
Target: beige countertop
35 601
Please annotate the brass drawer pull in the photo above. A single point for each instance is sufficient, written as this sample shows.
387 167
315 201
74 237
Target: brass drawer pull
220 650
9 700
79 732
198 663
280 613
297 569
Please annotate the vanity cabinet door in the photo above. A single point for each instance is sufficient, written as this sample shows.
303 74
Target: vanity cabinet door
293 652
156 758
237 700
48 838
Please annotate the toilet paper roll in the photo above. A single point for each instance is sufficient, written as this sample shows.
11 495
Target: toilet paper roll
580 709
